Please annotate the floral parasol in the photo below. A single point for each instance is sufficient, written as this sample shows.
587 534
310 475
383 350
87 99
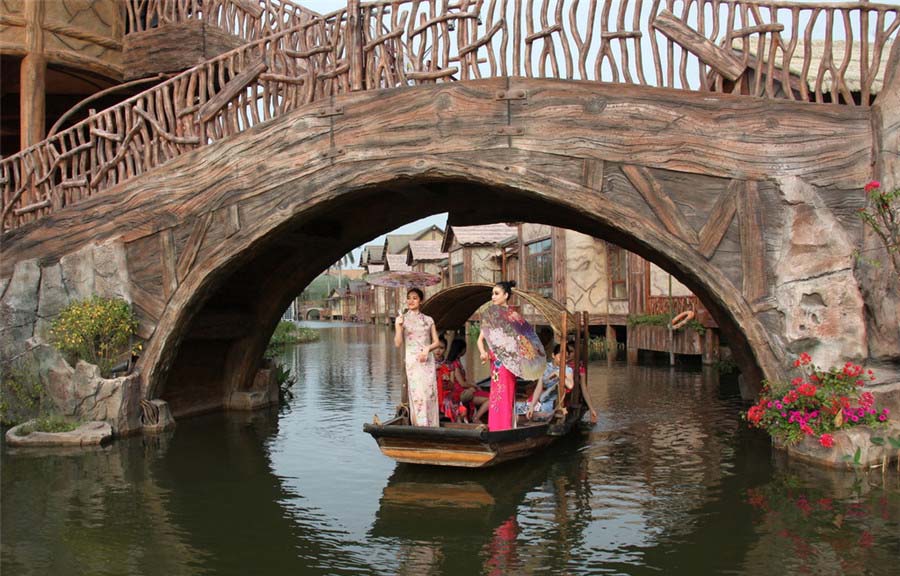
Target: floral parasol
402 279
513 341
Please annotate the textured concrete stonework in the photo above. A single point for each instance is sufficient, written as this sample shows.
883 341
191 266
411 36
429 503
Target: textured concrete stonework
34 297
263 392
846 443
83 394
816 292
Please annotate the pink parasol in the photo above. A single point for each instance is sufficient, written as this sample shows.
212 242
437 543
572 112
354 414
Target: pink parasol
513 341
401 279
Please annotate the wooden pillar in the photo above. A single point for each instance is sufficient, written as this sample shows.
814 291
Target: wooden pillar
355 46
559 264
33 79
710 346
638 290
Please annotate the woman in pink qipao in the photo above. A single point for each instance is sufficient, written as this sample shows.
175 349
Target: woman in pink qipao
420 335
503 382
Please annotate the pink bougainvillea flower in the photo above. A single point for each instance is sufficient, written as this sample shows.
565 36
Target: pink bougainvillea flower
826 440
872 185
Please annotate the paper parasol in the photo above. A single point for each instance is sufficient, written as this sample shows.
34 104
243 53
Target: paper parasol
514 342
401 279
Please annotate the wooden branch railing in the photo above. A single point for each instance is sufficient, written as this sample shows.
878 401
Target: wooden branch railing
737 46
674 305
247 19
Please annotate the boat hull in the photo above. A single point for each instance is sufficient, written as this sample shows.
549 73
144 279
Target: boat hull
465 446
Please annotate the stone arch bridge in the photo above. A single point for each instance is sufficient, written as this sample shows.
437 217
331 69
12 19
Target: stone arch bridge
750 200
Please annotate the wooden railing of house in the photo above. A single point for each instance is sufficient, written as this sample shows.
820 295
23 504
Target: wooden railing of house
680 45
247 19
678 304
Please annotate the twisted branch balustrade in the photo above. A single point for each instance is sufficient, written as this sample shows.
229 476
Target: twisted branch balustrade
702 45
247 19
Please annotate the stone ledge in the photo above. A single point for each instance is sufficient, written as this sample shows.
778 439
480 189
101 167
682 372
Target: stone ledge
846 443
88 434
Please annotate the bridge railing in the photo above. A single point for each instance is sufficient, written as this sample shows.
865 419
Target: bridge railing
795 50
682 45
247 19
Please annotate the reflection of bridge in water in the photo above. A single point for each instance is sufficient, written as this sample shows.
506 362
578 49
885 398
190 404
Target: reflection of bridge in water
675 130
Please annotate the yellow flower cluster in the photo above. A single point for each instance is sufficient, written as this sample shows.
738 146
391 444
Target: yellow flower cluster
97 330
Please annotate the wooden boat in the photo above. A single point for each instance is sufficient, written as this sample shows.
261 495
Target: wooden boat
472 445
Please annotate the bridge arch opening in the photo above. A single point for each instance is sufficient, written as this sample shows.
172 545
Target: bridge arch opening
211 343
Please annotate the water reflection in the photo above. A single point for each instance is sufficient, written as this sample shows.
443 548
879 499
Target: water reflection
669 481
92 511
468 521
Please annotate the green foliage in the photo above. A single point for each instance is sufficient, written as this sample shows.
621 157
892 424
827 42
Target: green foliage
600 347
319 288
855 460
816 404
726 366
285 381
52 423
289 333
882 215
22 392
473 330
97 330
663 320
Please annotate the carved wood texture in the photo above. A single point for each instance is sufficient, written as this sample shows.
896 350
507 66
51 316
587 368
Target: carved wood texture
421 42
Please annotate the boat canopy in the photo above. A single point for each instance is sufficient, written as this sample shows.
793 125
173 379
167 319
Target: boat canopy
452 307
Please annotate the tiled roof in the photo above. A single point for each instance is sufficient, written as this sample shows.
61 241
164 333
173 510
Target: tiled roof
426 251
485 235
371 253
396 243
372 268
353 273
397 262
357 286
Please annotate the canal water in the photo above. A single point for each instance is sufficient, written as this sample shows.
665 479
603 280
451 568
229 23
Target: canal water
669 482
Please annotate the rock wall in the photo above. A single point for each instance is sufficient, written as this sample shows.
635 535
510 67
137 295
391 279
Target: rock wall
880 286
37 292
34 296
816 294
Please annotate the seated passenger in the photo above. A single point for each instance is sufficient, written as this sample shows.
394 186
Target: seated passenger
442 373
544 398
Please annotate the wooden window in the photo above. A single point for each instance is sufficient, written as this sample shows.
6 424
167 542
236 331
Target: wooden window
615 257
539 267
458 274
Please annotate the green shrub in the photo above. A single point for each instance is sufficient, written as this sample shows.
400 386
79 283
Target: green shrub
52 423
22 392
600 347
725 366
98 330
289 333
663 320
285 381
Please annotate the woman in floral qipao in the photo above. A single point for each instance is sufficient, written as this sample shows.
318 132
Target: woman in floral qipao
420 335
501 415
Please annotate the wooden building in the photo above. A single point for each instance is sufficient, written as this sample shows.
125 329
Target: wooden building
473 252
652 292
426 256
